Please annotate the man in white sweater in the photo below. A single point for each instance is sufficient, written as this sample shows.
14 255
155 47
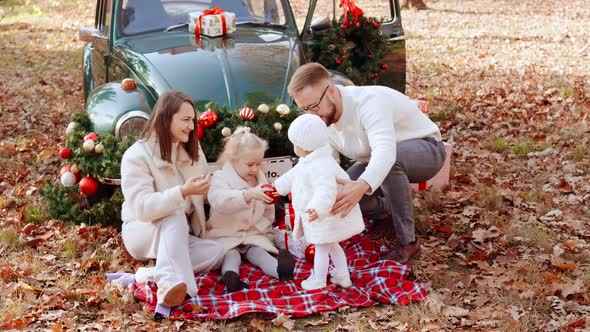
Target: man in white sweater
391 140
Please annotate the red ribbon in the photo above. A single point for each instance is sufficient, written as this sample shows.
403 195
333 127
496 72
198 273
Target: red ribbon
350 7
208 12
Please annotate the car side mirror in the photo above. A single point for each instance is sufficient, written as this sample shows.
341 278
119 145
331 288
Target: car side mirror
90 34
320 23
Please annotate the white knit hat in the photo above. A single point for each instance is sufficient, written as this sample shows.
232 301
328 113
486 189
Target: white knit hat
308 131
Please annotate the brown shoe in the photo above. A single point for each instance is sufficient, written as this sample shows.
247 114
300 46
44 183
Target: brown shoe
175 295
382 228
404 254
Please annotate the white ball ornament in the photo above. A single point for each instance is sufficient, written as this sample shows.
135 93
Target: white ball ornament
263 108
99 148
225 132
70 128
278 127
88 146
283 110
68 179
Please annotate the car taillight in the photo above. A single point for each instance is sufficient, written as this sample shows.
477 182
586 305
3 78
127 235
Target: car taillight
128 84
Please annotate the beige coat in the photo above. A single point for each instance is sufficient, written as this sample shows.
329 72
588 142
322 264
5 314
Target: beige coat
151 185
233 221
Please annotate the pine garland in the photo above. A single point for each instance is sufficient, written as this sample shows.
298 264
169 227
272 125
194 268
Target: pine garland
354 49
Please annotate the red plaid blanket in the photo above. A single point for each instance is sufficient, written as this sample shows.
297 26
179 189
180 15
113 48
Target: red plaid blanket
373 282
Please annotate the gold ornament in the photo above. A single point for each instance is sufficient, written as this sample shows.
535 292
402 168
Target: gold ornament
263 108
283 110
225 132
88 146
99 148
70 128
278 127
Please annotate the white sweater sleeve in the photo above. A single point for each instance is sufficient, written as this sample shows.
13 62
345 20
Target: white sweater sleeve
137 184
284 183
224 198
376 118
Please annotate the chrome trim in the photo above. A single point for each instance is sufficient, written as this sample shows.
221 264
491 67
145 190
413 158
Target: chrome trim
127 116
403 37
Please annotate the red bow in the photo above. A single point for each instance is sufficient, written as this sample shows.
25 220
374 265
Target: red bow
350 7
207 12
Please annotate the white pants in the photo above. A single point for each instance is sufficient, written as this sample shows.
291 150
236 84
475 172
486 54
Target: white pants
178 254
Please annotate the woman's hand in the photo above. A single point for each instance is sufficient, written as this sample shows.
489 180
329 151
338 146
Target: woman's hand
258 193
196 185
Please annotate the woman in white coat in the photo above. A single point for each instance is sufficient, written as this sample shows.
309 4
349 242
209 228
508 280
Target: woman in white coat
241 216
313 185
163 179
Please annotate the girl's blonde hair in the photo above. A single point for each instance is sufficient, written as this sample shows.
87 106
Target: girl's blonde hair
241 141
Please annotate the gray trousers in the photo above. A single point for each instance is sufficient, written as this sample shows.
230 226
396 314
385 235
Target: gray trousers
417 160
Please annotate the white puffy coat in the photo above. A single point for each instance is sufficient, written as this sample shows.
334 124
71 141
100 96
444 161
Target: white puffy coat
232 221
312 183
151 185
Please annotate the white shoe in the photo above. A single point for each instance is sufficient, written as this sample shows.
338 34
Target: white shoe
341 280
312 283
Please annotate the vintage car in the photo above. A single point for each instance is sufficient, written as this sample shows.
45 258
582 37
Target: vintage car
149 42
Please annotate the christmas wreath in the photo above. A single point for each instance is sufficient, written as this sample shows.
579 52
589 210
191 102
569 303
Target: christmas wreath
353 45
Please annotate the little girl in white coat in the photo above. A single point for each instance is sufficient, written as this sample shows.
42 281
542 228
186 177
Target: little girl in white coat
241 217
313 185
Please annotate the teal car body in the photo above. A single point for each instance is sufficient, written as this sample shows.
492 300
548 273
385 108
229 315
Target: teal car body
253 63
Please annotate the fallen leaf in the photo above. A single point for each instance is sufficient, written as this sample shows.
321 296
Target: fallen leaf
285 321
571 266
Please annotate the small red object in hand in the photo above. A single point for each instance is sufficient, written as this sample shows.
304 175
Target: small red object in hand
271 193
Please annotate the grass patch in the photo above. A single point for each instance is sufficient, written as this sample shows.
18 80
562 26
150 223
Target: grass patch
439 116
490 199
9 237
499 145
422 221
521 150
71 249
33 214
533 235
580 152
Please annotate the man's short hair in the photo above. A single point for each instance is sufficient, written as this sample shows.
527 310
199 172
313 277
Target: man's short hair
308 74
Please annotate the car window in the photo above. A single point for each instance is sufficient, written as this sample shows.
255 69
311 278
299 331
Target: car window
138 16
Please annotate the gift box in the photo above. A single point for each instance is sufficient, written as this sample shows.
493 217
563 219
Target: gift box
212 22
441 180
283 233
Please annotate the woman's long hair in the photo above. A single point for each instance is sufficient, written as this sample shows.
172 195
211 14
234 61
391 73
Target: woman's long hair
159 123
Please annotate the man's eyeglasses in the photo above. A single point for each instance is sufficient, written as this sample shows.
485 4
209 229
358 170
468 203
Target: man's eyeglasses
315 107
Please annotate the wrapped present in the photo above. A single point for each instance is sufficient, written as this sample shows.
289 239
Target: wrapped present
212 22
441 180
283 233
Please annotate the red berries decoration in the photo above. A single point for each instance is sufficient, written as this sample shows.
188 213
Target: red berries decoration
89 185
208 119
65 153
271 193
343 26
384 66
376 25
247 114
338 61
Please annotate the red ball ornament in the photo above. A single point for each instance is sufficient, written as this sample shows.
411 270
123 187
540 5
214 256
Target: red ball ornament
375 74
384 66
89 185
338 61
247 114
370 56
270 193
310 253
65 153
343 57
344 40
91 136
369 21
343 27
200 132
376 25
66 168
208 119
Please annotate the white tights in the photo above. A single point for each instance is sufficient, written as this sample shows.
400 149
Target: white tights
323 253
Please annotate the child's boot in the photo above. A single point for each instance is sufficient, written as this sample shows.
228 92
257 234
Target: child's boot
232 281
341 280
312 283
285 265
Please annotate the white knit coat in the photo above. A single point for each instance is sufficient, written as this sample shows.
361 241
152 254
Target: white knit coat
312 183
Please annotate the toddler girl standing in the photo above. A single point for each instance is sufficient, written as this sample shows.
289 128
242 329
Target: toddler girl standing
241 218
314 188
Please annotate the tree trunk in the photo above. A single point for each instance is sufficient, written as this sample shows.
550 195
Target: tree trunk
418 4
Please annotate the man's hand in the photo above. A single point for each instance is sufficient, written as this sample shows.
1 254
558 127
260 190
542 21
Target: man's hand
312 214
350 195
